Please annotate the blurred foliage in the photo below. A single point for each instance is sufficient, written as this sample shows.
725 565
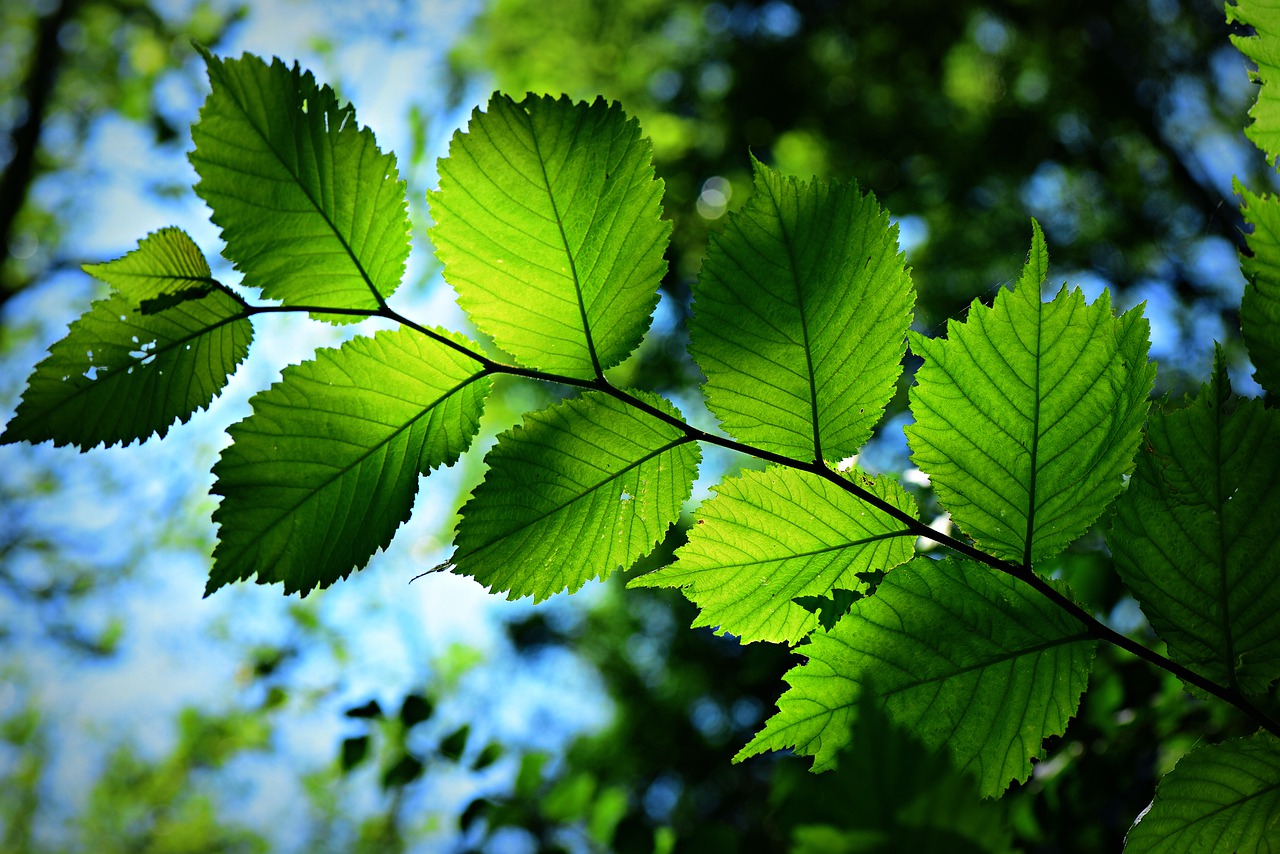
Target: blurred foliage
64 64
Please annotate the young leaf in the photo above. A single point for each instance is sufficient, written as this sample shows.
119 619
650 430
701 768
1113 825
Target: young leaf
1221 797
161 346
961 656
1260 307
799 316
548 224
1027 416
1187 537
772 536
583 488
1264 18
312 212
322 473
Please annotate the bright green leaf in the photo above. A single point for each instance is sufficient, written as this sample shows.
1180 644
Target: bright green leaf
312 212
771 536
1260 307
1263 48
583 488
1029 413
962 657
161 346
1222 797
1187 539
322 473
799 316
548 223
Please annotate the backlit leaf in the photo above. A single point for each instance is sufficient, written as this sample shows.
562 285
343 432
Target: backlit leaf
1261 48
1187 539
322 473
1028 414
799 316
127 370
772 536
1221 797
583 488
960 655
548 223
312 212
1260 306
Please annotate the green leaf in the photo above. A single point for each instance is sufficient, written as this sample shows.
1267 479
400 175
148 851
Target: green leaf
583 488
312 212
1222 797
548 224
961 656
799 316
1189 539
1260 307
1263 49
772 536
322 473
1028 415
123 373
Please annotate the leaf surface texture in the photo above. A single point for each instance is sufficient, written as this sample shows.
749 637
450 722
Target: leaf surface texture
312 212
1190 540
771 536
322 473
961 656
1029 412
581 489
548 221
799 317
161 346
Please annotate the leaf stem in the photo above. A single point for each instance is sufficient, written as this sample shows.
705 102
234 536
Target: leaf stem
1095 627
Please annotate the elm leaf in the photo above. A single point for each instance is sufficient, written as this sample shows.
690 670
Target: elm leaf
322 473
548 222
581 489
961 656
1187 539
311 210
1028 414
124 372
799 316
772 536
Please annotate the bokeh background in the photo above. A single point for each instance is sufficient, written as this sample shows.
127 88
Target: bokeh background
384 715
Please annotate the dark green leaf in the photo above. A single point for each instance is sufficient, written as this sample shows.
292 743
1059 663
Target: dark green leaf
414 710
455 743
581 489
312 212
799 316
1260 307
1028 414
122 374
962 657
322 473
772 536
548 223
402 773
1222 797
354 751
370 709
1194 537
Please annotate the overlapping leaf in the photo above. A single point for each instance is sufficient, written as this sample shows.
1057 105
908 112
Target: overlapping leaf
772 536
312 212
1263 48
1260 307
1029 413
963 657
1194 536
1223 797
583 488
322 473
548 223
799 316
161 346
